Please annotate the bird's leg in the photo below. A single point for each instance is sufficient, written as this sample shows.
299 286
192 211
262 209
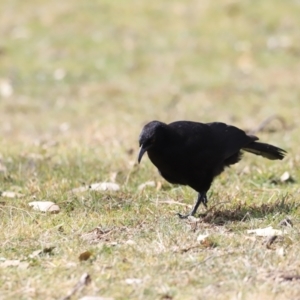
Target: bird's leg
201 199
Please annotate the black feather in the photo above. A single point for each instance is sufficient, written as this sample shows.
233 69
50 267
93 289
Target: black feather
265 150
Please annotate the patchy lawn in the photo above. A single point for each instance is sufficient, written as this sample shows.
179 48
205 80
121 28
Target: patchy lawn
78 80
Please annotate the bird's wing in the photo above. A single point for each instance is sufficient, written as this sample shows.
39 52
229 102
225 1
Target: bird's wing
192 137
211 139
229 138
191 133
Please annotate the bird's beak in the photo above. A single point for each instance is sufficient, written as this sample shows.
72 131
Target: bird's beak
141 153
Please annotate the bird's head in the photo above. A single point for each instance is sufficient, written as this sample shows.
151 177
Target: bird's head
151 135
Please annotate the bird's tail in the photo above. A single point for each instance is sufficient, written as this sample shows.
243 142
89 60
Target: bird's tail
265 150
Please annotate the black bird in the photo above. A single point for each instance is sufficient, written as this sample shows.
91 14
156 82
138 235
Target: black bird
192 153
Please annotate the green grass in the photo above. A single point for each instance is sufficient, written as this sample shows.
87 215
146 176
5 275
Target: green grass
86 76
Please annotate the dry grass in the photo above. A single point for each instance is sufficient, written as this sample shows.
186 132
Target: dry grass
84 78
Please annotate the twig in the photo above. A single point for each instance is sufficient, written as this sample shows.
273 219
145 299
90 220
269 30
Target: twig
217 204
84 280
211 257
264 123
172 202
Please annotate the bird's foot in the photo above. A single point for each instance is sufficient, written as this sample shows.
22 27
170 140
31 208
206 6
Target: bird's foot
181 216
204 201
201 199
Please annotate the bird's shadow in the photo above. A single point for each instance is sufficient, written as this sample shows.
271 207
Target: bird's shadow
243 213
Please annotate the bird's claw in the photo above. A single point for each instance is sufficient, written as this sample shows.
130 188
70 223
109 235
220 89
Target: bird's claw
194 210
181 216
204 201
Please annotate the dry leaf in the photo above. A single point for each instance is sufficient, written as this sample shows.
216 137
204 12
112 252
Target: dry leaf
85 255
10 263
270 241
100 186
3 168
45 206
286 177
10 194
276 42
59 74
290 277
130 242
281 276
33 156
186 249
95 298
15 263
113 176
159 186
104 186
193 219
131 281
48 249
280 252
286 222
268 231
202 237
96 235
35 253
80 189
6 89
146 184
208 243
41 251
245 63
70 265
23 265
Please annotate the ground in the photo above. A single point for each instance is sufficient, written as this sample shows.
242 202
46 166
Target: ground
78 81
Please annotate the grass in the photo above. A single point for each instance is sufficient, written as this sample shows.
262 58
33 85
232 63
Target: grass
85 77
